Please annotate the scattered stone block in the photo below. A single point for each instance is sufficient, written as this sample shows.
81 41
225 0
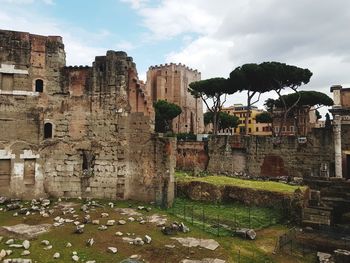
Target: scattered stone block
245 233
104 215
138 241
121 222
147 239
90 242
102 227
48 247
25 253
10 241
45 242
26 244
113 250
110 223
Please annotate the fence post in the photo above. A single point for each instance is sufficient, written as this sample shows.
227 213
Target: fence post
218 224
192 214
249 218
203 217
184 212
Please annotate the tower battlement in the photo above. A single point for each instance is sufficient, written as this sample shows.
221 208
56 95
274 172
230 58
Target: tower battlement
173 66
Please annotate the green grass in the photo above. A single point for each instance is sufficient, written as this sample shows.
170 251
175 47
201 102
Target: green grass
58 237
234 249
229 181
234 215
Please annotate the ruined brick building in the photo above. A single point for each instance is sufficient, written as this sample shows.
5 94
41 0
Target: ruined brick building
170 82
77 131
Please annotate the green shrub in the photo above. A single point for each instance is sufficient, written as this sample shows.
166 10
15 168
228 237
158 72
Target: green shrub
186 137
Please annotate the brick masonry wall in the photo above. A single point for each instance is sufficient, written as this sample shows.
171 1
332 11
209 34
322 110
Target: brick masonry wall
99 148
192 156
265 155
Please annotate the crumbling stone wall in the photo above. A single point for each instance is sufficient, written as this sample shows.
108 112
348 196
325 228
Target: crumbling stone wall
192 156
81 132
227 155
269 156
295 159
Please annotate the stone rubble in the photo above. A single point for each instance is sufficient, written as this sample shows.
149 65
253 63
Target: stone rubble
113 250
90 242
210 244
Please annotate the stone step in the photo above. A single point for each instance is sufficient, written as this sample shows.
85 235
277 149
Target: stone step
317 211
325 208
335 199
314 223
334 194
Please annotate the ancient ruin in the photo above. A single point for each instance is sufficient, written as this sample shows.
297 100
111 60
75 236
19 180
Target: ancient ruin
170 82
82 131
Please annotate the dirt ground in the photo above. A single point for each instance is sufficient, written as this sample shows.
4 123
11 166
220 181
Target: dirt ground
161 249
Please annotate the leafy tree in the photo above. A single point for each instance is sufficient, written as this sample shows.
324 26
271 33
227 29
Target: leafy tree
282 76
225 120
269 105
215 90
305 98
250 78
267 76
208 117
304 102
264 117
165 112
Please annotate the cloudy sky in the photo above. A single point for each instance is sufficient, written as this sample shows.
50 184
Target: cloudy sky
211 36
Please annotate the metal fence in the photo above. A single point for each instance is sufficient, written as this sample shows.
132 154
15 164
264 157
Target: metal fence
222 219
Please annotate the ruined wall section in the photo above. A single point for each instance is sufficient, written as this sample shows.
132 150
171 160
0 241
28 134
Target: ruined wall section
289 157
93 125
25 58
78 135
192 156
267 156
227 155
106 151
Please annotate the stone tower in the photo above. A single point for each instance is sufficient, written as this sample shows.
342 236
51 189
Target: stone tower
170 82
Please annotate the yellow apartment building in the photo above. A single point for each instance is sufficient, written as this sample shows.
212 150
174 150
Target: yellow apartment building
240 111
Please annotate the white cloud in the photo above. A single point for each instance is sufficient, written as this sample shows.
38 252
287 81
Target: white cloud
174 17
228 33
213 50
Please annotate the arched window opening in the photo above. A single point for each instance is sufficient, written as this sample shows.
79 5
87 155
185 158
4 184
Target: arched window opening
47 130
39 85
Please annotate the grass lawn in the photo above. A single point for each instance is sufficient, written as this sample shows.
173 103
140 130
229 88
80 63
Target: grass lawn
232 249
253 184
154 252
233 215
